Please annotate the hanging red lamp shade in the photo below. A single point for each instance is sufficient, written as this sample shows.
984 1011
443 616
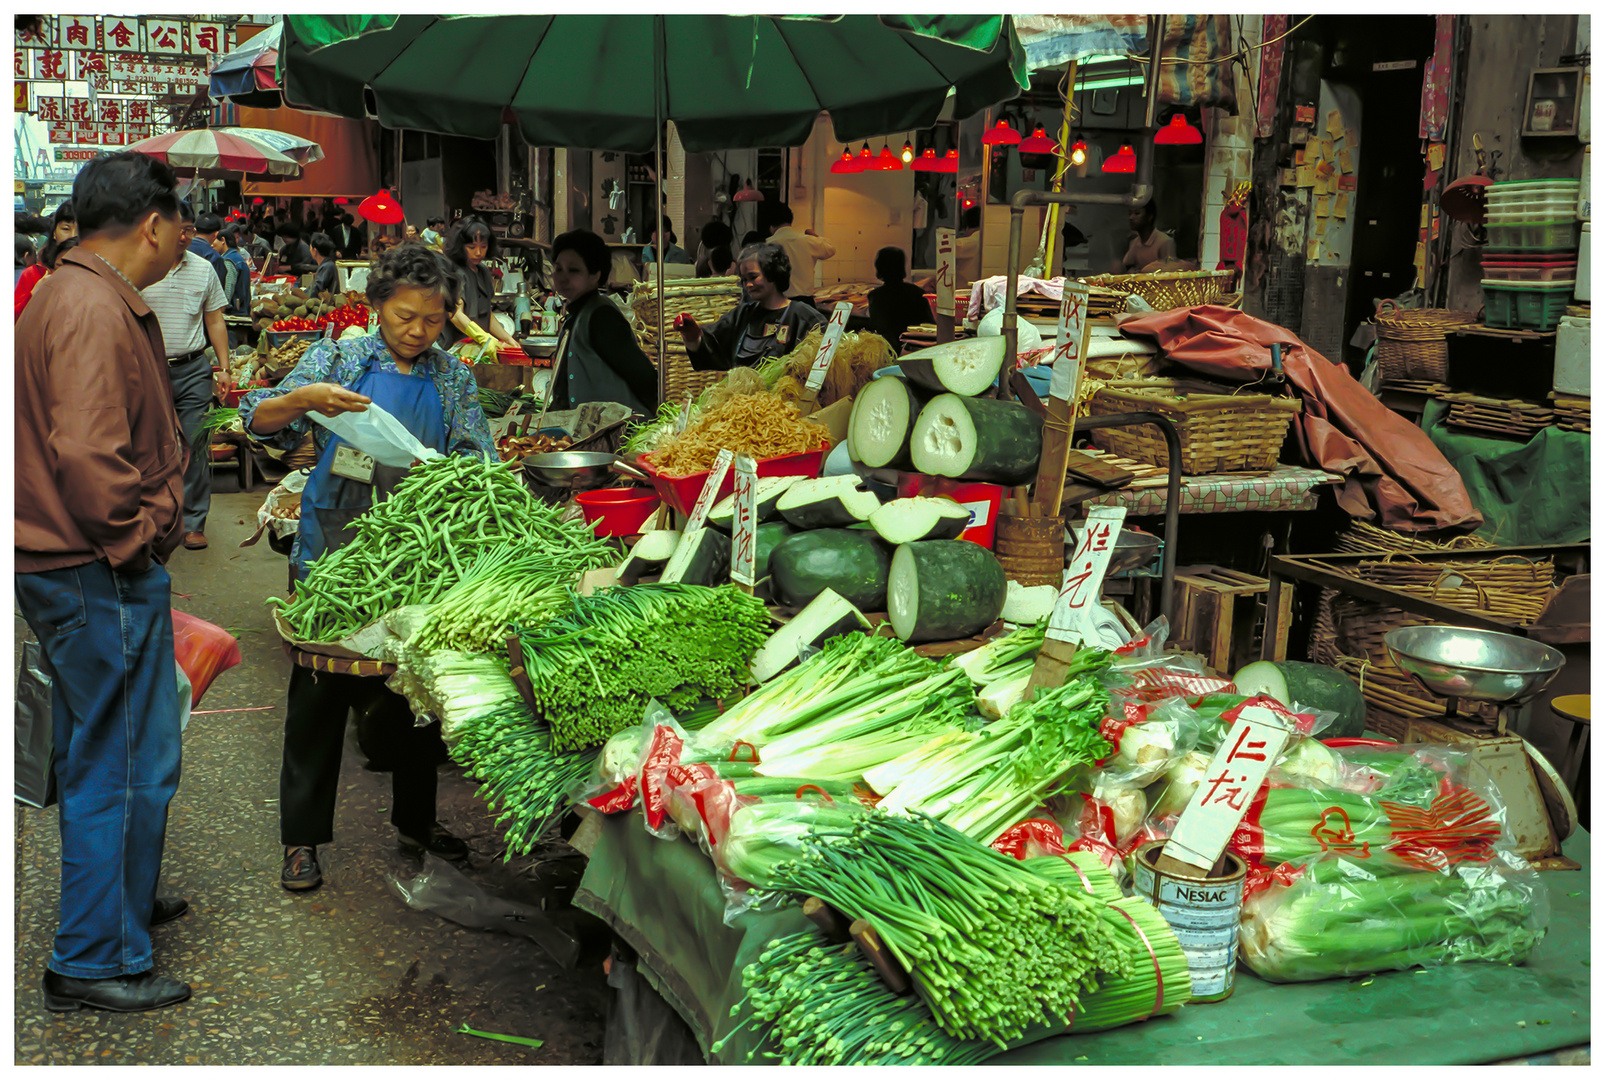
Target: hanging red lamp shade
1078 152
1038 143
846 163
1123 161
381 209
258 201
927 161
1178 133
950 163
886 161
1001 135
865 159
749 194
340 202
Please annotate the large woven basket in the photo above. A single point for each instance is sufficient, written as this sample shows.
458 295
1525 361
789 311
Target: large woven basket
1361 537
1187 288
1413 343
704 299
1220 430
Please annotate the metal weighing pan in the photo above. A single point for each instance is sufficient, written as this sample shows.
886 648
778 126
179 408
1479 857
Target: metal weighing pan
580 470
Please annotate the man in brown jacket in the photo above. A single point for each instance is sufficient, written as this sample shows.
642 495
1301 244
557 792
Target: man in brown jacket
99 465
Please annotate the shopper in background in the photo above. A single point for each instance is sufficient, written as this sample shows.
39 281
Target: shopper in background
189 305
802 249
327 277
206 229
714 257
764 325
470 246
63 222
347 237
63 227
432 234
98 456
25 257
897 304
47 262
598 358
1148 244
434 397
295 256
672 251
237 276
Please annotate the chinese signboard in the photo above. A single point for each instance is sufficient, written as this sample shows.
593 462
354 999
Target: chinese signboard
1082 591
1236 773
946 247
1072 329
165 36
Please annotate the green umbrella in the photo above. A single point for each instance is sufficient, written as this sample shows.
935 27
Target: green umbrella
605 82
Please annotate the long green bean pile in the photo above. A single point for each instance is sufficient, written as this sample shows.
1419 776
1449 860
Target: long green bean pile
596 667
418 543
993 947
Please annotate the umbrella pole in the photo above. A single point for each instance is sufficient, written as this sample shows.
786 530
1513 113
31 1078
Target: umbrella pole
660 68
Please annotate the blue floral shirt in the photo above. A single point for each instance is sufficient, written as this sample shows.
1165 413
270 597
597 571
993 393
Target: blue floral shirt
343 362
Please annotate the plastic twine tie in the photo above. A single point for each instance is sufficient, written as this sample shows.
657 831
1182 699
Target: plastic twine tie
1159 975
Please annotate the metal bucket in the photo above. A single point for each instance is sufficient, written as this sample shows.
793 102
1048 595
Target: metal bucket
1204 914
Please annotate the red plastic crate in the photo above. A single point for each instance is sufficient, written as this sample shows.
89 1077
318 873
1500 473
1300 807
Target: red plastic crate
681 493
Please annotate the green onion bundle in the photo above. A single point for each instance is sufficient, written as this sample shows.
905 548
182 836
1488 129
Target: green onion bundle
993 947
417 544
596 667
220 419
824 1005
516 582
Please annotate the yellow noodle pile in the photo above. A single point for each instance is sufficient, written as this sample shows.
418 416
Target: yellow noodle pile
858 356
760 425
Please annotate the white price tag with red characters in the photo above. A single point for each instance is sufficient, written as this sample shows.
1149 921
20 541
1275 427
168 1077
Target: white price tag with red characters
946 270
1067 349
744 531
1083 576
827 346
710 492
1251 746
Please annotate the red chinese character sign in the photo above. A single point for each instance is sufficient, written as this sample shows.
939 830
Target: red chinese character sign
1236 773
121 33
19 92
1070 345
166 35
77 32
744 527
946 270
827 347
1075 615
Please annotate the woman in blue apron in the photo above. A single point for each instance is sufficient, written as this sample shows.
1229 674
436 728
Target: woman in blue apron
436 398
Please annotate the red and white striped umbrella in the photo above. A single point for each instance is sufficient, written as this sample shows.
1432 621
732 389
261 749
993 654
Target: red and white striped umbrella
217 154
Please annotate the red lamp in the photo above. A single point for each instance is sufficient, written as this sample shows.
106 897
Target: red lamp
1039 143
1178 133
381 209
950 163
1001 135
927 162
886 161
258 201
866 159
1125 160
847 164
749 194
340 201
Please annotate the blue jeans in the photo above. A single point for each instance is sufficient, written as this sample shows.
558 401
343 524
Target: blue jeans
108 641
192 398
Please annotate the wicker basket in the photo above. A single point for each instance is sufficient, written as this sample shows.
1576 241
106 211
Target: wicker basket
1220 431
1413 343
1362 537
1509 587
704 299
1171 290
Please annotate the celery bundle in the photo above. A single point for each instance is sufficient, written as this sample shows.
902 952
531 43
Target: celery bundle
595 667
1341 918
1001 669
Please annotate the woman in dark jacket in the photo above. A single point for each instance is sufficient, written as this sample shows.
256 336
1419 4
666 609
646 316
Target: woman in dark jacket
597 355
470 246
764 325
897 304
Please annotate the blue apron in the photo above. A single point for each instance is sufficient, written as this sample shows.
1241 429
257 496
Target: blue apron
335 502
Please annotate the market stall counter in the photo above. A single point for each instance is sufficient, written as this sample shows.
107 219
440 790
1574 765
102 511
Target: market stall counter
662 898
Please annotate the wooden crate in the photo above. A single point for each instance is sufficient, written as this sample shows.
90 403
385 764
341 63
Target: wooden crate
1218 614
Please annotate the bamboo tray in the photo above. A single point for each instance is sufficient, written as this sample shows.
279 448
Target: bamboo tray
1219 431
1187 288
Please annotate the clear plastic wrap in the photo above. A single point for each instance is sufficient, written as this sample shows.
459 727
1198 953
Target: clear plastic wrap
1332 916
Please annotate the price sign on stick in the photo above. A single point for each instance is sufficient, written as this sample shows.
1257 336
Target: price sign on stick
744 537
1072 618
827 349
1235 775
684 418
1069 356
710 492
946 270
1069 352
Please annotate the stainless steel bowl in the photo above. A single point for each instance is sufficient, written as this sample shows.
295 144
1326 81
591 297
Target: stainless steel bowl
1480 665
577 469
1134 549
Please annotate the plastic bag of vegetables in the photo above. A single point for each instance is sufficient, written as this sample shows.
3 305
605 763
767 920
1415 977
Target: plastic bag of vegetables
1331 916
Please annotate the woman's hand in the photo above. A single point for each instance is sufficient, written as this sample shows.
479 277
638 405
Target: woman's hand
690 332
331 399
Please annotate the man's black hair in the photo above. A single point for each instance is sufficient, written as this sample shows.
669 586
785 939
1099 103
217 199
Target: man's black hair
208 223
781 214
323 245
290 231
591 249
891 264
117 190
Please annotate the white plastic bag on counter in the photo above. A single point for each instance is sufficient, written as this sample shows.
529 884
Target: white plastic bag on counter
379 435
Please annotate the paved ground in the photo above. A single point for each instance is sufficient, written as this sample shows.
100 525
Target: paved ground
346 975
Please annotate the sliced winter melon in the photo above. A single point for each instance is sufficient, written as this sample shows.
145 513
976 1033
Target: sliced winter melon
701 558
650 554
827 503
943 590
967 367
995 442
766 494
826 616
903 521
1311 686
882 422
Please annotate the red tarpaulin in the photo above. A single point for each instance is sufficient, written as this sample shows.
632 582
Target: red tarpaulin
350 164
1390 466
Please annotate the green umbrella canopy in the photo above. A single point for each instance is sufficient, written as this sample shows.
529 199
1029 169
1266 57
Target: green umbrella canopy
589 80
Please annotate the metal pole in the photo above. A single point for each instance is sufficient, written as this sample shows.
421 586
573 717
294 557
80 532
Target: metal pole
660 87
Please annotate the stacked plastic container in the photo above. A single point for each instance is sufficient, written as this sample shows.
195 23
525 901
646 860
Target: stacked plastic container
1530 263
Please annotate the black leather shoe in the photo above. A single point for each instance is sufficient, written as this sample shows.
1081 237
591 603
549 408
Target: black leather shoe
300 869
167 909
119 993
437 841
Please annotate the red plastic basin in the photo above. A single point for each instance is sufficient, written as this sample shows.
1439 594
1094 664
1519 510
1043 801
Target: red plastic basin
618 511
681 493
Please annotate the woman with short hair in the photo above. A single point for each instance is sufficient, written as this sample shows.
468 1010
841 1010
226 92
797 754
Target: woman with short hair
764 325
399 369
598 358
470 246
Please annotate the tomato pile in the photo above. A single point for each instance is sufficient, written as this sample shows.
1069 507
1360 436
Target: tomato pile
293 323
341 318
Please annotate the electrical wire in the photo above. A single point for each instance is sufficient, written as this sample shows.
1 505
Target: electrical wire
1138 58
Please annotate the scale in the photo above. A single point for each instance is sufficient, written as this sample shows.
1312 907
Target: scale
1459 663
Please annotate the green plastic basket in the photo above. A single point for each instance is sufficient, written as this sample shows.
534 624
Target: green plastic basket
1532 305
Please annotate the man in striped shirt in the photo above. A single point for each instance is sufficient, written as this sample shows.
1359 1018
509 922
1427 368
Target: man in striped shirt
189 304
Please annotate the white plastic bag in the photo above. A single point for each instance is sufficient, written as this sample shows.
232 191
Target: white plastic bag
377 434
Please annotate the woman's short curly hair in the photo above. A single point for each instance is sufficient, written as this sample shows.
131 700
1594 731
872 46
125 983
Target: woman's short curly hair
412 265
772 260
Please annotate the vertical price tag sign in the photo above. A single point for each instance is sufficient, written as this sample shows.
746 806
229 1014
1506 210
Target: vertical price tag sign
1236 773
373 320
1083 577
744 533
827 347
1067 351
946 270
710 492
682 421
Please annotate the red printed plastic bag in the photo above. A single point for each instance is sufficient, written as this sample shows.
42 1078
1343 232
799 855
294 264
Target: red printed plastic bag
203 650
